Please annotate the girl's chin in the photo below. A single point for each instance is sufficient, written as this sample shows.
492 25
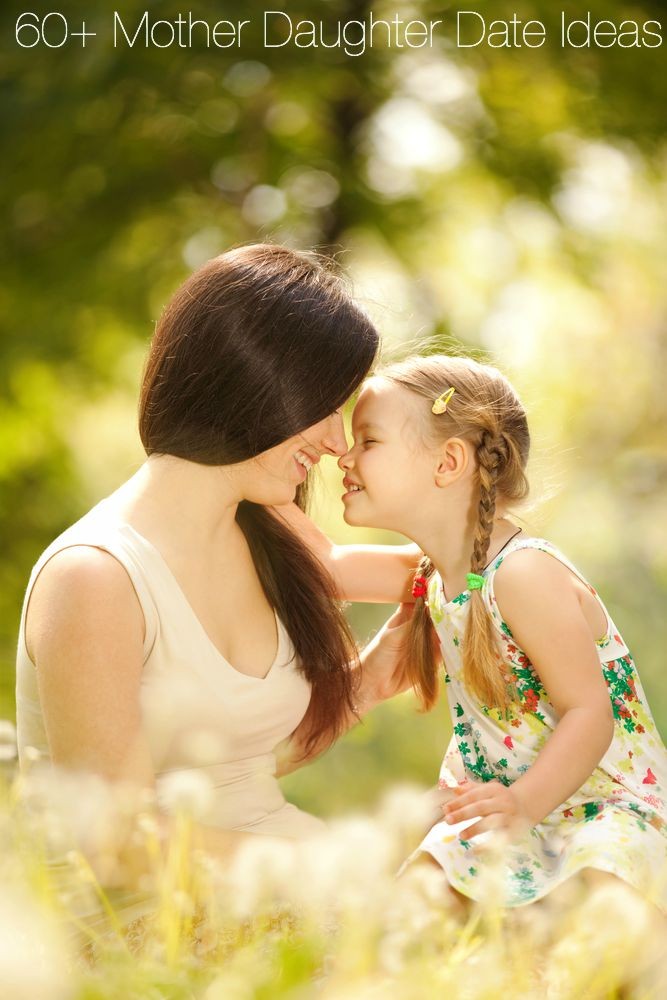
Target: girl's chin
350 517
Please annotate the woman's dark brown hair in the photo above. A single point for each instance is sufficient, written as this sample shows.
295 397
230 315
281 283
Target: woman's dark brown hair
257 345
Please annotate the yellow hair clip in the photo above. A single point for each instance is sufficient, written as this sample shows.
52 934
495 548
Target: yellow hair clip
440 405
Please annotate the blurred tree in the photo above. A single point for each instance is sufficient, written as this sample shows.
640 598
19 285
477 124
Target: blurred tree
511 199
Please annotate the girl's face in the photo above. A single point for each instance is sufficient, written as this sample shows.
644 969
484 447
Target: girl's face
389 473
273 476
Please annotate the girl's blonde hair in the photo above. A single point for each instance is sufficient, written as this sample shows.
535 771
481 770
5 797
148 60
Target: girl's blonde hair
485 411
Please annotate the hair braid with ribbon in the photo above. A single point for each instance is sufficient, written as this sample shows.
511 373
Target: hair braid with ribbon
423 651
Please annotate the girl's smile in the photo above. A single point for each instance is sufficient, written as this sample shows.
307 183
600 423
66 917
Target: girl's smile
351 487
387 473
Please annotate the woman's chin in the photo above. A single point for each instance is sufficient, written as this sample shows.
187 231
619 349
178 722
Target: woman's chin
274 497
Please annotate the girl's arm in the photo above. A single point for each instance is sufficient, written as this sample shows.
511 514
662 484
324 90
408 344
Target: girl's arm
376 574
553 621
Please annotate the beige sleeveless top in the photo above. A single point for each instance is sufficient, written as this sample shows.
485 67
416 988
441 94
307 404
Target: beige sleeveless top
201 715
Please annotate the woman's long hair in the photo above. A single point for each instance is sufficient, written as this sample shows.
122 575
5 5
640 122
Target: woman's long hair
256 346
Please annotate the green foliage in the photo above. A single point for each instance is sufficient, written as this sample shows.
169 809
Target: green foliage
511 200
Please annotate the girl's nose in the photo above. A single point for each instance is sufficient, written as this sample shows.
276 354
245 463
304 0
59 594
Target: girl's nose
334 440
345 461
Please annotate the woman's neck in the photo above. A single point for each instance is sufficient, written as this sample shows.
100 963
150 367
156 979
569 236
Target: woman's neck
170 498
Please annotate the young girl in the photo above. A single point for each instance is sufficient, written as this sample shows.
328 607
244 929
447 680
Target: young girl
551 724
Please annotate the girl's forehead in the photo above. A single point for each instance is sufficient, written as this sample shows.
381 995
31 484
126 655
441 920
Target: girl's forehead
375 392
381 399
376 388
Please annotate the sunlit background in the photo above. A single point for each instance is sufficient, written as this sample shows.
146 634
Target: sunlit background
509 201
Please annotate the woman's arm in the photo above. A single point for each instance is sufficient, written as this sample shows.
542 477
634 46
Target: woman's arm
375 574
85 632
542 603
380 675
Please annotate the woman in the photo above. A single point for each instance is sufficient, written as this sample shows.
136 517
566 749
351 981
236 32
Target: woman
181 623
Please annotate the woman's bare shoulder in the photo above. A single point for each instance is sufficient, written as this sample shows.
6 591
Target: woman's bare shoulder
81 589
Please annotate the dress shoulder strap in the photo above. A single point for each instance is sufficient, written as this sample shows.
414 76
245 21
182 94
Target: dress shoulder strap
542 545
97 529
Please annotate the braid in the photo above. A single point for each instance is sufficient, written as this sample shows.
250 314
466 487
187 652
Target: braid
481 661
477 404
488 461
423 647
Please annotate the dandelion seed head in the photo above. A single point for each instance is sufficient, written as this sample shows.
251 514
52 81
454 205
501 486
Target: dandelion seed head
263 872
347 867
406 809
34 959
72 810
8 747
188 792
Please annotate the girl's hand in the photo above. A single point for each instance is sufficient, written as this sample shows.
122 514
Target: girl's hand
383 661
499 806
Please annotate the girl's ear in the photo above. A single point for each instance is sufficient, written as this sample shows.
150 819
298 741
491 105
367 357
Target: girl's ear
454 460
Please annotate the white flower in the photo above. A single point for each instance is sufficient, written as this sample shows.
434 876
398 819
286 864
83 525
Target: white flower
8 749
187 792
34 964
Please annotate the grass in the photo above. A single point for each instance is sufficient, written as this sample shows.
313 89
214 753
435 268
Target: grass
278 920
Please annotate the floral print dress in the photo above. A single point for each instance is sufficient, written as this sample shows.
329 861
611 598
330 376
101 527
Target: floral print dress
616 821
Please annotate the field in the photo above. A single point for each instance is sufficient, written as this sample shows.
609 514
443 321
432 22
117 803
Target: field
326 919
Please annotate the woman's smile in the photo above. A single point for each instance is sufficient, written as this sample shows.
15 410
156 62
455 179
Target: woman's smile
304 464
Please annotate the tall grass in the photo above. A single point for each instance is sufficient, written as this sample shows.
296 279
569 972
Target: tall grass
324 918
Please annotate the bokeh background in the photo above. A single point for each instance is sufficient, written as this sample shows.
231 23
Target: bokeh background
506 201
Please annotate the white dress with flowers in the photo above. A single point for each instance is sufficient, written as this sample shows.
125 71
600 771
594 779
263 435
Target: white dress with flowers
616 821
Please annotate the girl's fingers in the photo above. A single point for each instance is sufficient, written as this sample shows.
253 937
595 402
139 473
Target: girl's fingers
483 808
472 831
462 788
471 796
466 798
494 821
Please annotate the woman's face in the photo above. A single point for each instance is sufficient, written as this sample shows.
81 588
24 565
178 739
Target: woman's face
273 476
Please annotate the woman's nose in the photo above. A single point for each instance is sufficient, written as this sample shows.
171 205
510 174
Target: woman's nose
334 440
